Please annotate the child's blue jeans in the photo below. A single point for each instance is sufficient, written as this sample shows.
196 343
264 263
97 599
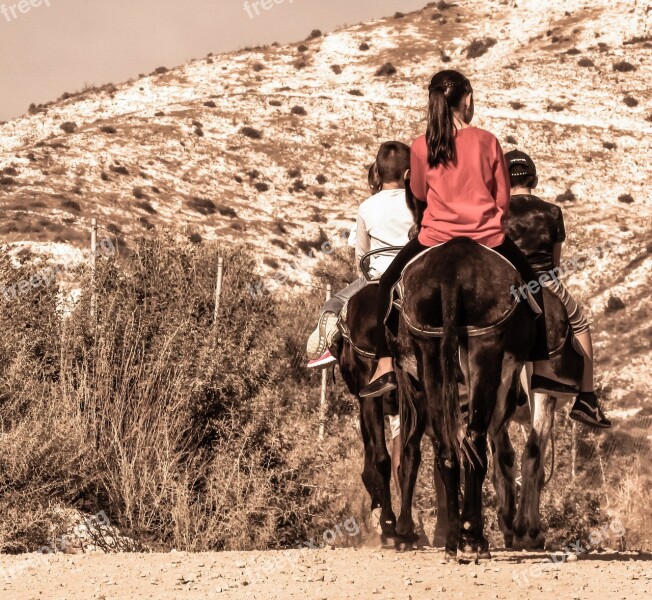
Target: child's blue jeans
337 302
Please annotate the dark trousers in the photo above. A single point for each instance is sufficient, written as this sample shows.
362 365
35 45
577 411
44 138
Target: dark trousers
508 249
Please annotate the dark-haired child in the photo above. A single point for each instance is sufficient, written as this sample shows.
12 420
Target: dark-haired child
538 229
384 220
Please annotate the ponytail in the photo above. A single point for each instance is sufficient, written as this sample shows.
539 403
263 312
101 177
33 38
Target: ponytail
447 88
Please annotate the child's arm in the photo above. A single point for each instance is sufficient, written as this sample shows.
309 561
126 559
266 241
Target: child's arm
363 241
556 254
560 236
502 187
418 169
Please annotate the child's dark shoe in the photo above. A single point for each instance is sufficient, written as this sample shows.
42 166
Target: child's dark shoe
385 383
587 410
545 385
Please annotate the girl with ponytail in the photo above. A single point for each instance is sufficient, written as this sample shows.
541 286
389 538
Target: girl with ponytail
460 172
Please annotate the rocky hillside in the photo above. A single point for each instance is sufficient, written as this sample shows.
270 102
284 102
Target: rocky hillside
269 145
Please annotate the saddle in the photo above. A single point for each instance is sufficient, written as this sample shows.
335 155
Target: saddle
427 330
558 327
360 346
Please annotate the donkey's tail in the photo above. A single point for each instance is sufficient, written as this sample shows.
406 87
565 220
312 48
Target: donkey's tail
448 362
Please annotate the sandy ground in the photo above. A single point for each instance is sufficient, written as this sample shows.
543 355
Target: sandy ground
320 574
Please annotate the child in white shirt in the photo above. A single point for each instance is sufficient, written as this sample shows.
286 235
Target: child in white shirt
384 220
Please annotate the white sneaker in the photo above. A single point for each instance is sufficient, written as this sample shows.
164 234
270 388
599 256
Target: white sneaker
322 337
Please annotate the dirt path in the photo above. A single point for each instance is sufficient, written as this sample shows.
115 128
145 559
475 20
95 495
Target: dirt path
320 574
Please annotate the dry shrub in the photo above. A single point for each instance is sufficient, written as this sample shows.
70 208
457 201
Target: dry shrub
251 132
479 47
387 70
187 433
567 196
204 206
69 127
623 66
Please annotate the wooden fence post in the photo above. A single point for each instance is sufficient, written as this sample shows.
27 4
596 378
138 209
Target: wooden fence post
324 388
93 264
218 286
573 450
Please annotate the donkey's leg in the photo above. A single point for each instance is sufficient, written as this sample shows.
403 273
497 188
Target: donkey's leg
527 525
439 539
377 464
412 428
504 459
490 379
446 456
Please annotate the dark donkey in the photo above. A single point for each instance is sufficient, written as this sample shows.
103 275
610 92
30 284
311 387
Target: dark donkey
466 308
521 526
354 351
355 354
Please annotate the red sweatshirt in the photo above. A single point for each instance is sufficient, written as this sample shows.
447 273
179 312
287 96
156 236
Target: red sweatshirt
470 199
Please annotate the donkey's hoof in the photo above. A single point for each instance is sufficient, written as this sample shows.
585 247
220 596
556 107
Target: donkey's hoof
439 539
509 540
375 520
450 555
527 542
408 538
401 545
389 529
467 554
483 549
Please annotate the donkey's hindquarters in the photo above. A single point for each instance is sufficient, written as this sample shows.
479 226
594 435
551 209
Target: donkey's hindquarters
466 306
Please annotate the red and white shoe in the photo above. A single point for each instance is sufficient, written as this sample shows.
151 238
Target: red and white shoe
325 360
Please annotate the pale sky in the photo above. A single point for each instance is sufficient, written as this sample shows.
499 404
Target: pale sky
57 46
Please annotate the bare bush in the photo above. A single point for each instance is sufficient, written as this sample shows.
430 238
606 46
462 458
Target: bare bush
69 127
567 196
623 67
204 206
478 48
251 132
119 169
387 70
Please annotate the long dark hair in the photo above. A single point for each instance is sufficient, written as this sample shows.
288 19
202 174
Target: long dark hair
447 88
